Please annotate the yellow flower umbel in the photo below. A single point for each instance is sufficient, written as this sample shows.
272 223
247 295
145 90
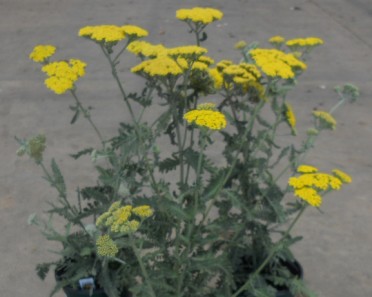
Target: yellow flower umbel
276 40
118 218
134 31
202 15
62 75
312 183
210 119
160 66
308 42
41 53
326 120
106 247
146 49
275 63
290 117
344 177
103 33
240 45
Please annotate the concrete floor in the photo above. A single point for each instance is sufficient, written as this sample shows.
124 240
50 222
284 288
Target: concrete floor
337 248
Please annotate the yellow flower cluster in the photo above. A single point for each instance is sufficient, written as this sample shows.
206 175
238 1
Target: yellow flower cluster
306 169
309 185
202 15
117 218
111 33
210 119
62 75
240 44
304 42
169 61
227 73
327 121
345 178
206 106
275 63
290 117
106 247
42 52
276 39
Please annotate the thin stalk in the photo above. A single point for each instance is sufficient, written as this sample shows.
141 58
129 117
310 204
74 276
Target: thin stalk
87 116
142 267
271 254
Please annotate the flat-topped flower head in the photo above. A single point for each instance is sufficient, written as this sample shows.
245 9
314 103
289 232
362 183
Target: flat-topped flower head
187 51
106 247
160 66
103 33
306 169
204 15
143 211
240 44
206 106
304 42
210 119
326 120
62 75
309 195
146 49
276 40
134 31
290 117
344 177
40 53
275 63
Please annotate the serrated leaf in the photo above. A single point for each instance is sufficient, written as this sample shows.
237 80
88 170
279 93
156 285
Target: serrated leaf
81 153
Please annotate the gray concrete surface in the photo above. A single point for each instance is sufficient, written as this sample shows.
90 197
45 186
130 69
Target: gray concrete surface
337 248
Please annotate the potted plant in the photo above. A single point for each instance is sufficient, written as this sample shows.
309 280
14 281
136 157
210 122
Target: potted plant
193 214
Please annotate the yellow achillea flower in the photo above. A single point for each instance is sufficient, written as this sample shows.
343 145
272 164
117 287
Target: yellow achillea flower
129 227
211 119
216 77
240 44
307 169
187 51
146 49
106 247
344 177
103 33
277 39
290 117
276 63
310 195
223 63
144 211
304 42
202 15
160 66
327 121
134 31
206 60
63 74
321 181
42 52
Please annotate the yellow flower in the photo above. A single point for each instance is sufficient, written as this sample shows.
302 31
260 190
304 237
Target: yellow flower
101 220
144 211
223 63
344 177
240 44
129 227
160 66
146 49
187 51
276 39
290 117
59 85
103 33
309 195
321 181
216 77
213 120
327 121
106 247
207 60
304 42
307 169
275 63
42 52
199 15
134 31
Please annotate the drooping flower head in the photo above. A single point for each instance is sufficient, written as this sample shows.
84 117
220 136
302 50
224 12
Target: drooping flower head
202 15
41 53
326 120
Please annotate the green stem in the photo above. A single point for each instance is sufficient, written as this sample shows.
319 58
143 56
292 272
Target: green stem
142 267
271 254
87 116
